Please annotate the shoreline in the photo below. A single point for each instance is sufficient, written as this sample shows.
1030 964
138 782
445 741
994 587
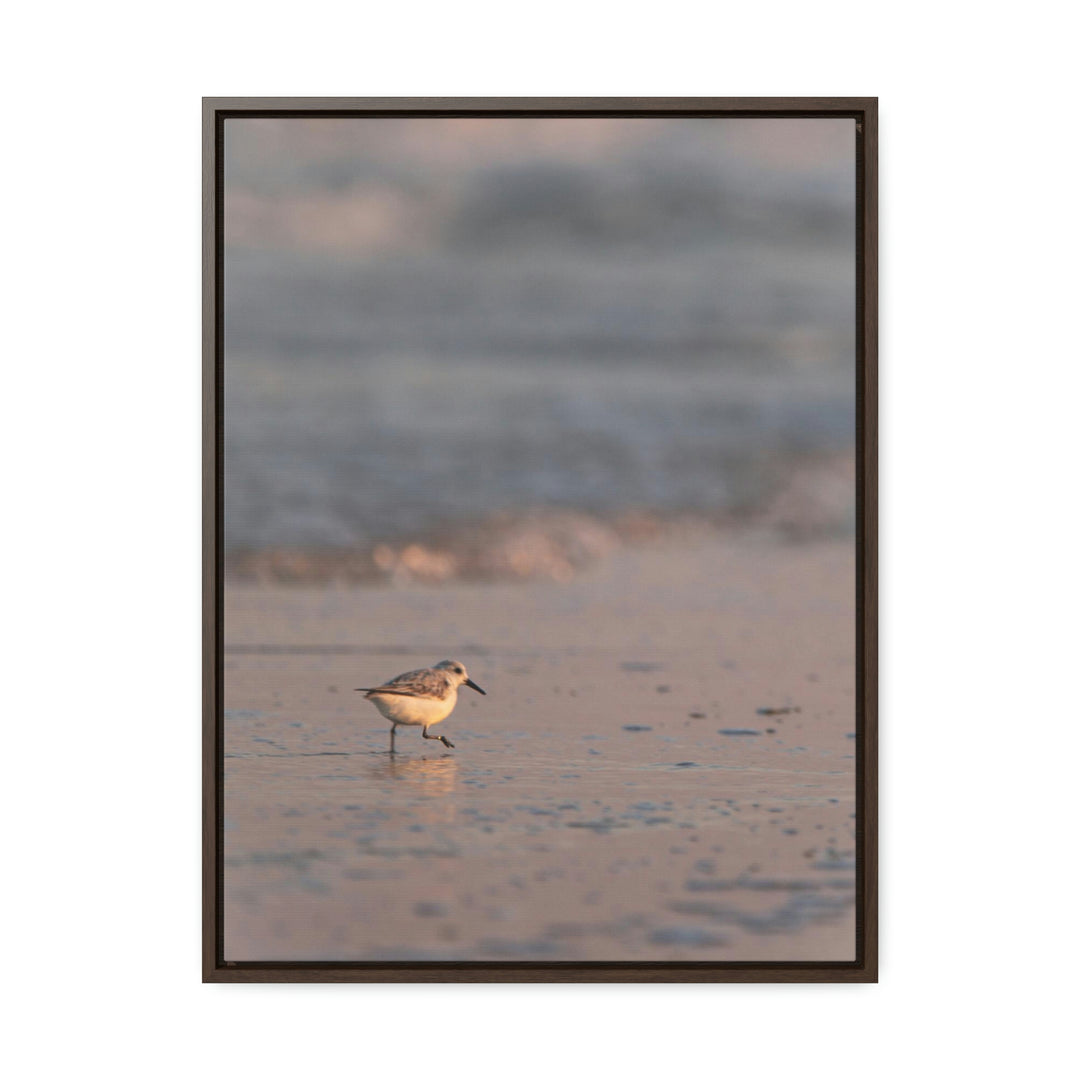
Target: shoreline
811 501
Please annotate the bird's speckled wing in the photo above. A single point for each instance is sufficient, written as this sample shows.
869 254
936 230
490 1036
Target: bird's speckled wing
425 682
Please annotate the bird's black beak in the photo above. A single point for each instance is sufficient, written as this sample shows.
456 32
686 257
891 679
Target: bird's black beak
469 682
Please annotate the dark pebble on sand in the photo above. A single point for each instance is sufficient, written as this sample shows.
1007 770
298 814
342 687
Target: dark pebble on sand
737 731
430 910
840 863
636 727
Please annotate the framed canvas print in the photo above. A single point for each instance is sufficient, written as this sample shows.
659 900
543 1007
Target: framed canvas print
540 590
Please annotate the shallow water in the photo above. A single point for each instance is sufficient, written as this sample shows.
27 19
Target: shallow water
582 814
527 846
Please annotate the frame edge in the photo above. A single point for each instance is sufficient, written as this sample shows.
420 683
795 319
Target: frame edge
865 969
209 539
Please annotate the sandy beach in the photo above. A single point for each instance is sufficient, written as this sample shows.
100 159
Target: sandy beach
663 768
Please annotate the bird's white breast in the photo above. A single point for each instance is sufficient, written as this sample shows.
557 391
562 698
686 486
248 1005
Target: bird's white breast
414 711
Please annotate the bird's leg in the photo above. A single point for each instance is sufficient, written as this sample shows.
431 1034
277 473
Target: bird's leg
441 738
393 729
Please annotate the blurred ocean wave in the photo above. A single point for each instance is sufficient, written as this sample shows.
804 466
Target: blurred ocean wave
426 336
808 500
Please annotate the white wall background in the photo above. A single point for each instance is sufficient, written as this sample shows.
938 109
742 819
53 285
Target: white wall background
101 548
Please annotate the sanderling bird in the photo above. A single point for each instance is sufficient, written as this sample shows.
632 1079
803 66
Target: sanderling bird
420 698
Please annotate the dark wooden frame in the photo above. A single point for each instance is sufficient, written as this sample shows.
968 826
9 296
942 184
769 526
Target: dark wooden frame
864 968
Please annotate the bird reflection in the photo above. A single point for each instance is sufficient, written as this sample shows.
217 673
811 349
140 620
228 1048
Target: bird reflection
426 776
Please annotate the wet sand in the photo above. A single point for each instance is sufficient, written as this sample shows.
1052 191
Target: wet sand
620 794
